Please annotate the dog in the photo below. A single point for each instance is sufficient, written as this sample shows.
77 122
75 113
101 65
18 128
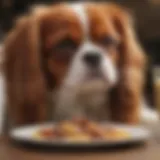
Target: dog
85 56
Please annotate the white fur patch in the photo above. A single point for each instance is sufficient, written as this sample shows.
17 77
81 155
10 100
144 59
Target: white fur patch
79 9
67 104
79 73
78 69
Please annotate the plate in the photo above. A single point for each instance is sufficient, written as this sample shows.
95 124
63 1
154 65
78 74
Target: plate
25 134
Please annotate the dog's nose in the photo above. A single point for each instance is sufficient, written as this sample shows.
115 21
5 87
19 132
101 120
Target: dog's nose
92 59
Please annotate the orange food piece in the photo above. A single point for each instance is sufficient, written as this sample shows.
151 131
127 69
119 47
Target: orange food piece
82 130
116 134
48 133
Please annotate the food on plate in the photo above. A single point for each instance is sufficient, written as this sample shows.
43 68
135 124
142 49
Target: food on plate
81 130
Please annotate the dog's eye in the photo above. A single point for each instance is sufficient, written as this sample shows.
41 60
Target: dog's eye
64 50
66 44
108 41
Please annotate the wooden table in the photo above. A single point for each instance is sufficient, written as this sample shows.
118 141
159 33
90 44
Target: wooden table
148 151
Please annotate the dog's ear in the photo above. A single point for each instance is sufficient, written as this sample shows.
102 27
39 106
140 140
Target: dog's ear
126 97
131 52
25 82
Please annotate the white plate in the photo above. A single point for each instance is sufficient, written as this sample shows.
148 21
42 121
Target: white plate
25 134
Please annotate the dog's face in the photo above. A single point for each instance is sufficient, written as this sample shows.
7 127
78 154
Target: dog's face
81 43
70 45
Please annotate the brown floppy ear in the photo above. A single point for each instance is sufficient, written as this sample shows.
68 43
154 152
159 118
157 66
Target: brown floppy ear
26 90
127 95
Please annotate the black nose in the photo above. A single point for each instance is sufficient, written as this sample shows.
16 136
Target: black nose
92 59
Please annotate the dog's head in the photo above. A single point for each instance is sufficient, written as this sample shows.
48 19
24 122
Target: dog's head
70 44
83 42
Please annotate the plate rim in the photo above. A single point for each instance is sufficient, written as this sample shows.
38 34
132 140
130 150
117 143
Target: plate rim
145 135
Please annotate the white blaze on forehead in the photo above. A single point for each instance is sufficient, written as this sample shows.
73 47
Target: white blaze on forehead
80 11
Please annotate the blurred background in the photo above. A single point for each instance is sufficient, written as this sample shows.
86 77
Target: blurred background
147 17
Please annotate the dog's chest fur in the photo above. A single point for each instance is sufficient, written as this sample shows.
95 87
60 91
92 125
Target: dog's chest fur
88 100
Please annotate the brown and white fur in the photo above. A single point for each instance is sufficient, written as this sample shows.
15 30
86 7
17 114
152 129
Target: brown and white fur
36 64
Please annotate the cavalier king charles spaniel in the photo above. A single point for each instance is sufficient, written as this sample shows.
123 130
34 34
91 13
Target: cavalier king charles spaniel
86 57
